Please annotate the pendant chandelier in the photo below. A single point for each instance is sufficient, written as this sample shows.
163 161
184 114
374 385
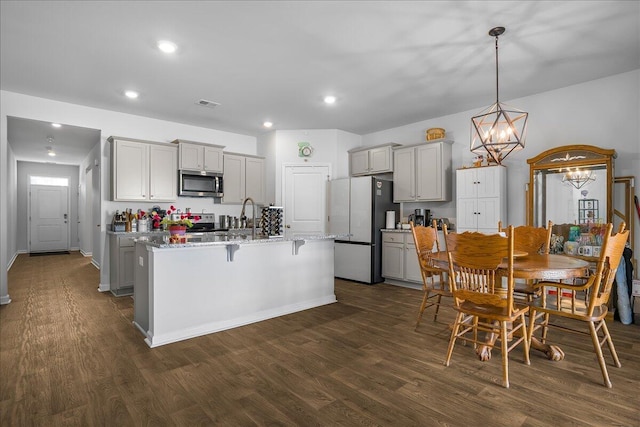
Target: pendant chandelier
499 129
578 178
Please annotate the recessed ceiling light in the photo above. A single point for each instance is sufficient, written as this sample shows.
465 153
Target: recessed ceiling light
131 94
56 125
167 47
267 124
329 99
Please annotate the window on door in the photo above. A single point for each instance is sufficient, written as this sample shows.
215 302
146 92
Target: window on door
49 180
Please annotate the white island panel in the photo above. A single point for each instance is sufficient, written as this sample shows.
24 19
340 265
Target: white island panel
186 292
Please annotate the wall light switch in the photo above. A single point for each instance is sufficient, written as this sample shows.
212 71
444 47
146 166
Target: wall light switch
141 261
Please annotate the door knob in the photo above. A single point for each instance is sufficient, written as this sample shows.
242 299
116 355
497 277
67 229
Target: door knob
287 226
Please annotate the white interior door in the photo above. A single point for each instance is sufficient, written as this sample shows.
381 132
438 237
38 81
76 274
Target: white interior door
49 218
305 196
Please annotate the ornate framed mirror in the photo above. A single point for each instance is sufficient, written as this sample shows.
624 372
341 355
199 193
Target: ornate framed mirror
572 184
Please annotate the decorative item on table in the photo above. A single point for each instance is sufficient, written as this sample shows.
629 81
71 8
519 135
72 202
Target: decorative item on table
477 161
177 225
434 133
571 247
499 129
556 246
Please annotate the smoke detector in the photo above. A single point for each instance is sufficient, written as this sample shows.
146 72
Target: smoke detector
207 103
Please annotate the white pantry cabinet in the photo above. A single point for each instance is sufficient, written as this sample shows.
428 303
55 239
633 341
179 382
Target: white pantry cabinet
197 156
481 199
143 170
243 177
422 172
371 161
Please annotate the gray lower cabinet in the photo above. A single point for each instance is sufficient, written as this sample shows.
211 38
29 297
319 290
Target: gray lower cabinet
399 258
121 256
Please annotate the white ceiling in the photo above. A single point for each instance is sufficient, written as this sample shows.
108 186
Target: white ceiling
389 63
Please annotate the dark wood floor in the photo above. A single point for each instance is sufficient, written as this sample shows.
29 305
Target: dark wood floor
69 355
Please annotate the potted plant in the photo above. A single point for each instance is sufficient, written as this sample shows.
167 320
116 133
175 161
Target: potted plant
176 226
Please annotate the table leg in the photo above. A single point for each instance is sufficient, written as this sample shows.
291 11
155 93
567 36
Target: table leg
552 352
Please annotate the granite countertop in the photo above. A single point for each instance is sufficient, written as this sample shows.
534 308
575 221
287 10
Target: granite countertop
397 230
212 239
139 233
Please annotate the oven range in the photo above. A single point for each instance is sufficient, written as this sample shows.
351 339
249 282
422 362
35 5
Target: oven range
206 223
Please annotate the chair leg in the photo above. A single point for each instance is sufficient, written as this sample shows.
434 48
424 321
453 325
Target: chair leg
596 346
532 326
435 316
422 307
545 328
525 340
612 349
454 333
504 344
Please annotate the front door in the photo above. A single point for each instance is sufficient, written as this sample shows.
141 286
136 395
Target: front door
305 196
49 218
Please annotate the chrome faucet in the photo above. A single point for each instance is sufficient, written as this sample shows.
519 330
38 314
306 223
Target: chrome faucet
243 216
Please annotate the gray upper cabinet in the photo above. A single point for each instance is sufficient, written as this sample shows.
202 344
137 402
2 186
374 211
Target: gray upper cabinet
422 172
371 161
197 156
243 177
143 170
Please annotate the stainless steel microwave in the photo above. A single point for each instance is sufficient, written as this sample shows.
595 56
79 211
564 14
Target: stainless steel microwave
200 184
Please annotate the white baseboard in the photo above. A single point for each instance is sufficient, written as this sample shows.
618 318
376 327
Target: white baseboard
104 287
12 260
85 254
95 264
75 248
5 299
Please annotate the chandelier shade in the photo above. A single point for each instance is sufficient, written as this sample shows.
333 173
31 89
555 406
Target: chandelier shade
578 178
499 129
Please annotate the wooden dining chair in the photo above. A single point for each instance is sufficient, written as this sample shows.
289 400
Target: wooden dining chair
532 240
483 294
593 312
425 239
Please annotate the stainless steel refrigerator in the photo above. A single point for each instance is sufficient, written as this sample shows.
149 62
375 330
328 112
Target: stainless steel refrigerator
358 207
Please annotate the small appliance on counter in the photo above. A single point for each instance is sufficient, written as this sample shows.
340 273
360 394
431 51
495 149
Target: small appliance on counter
271 221
118 222
421 217
443 221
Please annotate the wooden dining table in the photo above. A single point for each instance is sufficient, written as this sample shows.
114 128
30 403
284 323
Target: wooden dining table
548 267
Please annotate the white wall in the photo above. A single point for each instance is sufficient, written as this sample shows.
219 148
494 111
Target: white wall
601 112
329 146
26 169
267 147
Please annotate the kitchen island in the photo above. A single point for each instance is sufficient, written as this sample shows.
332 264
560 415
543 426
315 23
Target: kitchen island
212 283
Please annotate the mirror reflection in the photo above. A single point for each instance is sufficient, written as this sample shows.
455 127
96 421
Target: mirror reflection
567 197
571 186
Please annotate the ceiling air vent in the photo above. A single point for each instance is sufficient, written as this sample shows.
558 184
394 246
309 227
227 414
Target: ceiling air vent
207 103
